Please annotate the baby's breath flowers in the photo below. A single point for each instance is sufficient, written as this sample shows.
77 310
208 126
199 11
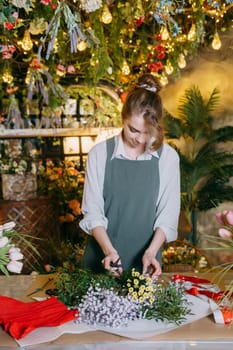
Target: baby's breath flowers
107 308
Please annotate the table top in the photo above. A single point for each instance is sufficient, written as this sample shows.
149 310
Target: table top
202 334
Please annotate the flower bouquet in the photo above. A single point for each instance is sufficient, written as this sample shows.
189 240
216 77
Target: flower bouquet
62 182
17 159
10 255
113 302
224 241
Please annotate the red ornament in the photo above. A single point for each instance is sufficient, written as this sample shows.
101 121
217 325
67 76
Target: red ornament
140 21
160 47
9 25
161 55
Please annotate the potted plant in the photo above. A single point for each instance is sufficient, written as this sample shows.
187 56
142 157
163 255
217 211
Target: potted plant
205 166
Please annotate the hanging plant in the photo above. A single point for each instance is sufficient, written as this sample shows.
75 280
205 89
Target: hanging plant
75 29
37 74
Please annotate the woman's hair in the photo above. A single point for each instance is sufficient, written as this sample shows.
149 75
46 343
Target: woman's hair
144 99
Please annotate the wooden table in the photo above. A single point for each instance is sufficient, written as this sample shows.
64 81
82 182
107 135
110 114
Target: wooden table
204 332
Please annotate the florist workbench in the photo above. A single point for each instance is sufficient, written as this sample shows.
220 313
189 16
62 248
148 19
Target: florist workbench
204 331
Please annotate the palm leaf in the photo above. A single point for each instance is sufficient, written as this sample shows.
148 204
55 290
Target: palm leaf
205 167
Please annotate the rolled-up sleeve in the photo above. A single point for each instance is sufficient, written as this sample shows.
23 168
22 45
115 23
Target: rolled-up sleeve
168 204
93 202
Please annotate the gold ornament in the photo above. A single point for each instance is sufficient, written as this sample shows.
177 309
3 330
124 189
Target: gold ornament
106 17
26 43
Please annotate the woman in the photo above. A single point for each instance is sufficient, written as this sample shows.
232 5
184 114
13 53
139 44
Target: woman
131 198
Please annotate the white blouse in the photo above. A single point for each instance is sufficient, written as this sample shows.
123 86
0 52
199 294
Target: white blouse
168 202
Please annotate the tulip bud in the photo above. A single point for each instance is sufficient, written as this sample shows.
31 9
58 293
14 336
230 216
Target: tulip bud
3 241
15 266
15 256
9 226
229 217
224 233
219 217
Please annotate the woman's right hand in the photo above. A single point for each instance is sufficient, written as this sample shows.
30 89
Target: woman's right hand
112 262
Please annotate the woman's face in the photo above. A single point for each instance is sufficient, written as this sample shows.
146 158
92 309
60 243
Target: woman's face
136 131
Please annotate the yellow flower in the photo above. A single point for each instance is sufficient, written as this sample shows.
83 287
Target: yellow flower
142 288
135 273
149 289
149 280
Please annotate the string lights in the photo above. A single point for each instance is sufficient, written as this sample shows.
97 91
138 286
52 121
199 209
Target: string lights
85 33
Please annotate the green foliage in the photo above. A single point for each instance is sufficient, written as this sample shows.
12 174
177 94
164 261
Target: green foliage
72 283
170 304
205 168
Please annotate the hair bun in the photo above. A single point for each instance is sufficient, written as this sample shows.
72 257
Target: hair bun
149 82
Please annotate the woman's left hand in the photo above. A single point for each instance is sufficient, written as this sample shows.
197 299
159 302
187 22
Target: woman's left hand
151 266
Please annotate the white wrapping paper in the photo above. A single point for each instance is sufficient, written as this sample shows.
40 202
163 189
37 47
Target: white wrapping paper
136 330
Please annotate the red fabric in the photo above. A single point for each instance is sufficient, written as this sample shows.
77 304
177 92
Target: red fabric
19 318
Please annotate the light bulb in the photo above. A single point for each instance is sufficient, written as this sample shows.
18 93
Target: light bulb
216 43
7 77
26 42
106 15
163 79
125 68
192 33
181 61
169 68
82 45
164 33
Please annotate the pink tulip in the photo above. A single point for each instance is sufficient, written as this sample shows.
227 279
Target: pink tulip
220 217
224 233
229 217
15 266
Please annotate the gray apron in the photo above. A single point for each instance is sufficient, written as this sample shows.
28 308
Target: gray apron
130 193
